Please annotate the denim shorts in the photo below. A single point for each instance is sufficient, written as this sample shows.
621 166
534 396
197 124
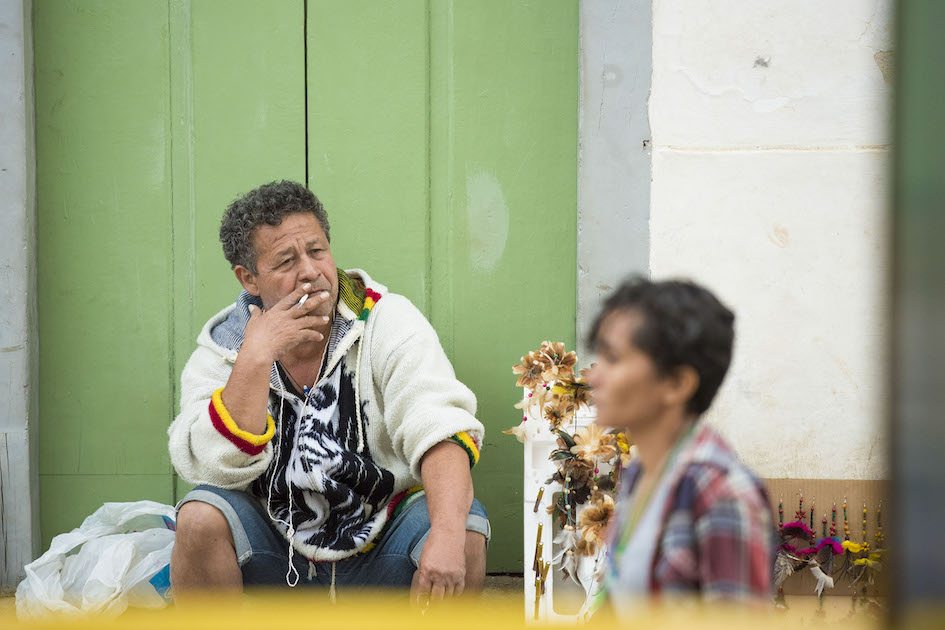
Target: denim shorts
263 553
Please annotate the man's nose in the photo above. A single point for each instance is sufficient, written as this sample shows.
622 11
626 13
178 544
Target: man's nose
308 272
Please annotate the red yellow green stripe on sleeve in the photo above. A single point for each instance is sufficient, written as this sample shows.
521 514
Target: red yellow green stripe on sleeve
370 299
249 443
469 445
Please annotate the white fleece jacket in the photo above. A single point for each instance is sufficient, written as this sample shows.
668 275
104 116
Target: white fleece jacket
406 387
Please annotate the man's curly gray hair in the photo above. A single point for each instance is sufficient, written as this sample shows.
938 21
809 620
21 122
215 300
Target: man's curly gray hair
267 205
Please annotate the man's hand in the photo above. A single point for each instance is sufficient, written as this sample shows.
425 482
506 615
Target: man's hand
448 484
270 335
442 571
267 338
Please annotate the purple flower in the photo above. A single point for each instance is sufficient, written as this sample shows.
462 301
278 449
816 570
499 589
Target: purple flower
833 543
797 529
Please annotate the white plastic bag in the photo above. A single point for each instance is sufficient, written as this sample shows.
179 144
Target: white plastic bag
118 557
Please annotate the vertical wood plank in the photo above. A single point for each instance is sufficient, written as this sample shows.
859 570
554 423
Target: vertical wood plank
152 116
238 121
104 269
367 107
104 263
443 139
504 171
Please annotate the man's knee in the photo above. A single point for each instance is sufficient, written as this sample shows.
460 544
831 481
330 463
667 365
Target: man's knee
203 555
475 561
200 523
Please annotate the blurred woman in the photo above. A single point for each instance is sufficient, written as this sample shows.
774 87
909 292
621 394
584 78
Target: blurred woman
690 519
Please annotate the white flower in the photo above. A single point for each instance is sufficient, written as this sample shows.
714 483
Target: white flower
526 430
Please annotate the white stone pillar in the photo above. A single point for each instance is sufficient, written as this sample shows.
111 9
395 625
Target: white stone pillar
614 150
19 496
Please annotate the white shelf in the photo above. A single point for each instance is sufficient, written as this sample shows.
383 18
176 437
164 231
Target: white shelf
538 469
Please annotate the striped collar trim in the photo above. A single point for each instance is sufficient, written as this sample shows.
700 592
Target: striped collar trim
355 301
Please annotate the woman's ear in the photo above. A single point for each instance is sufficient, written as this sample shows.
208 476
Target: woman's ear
683 382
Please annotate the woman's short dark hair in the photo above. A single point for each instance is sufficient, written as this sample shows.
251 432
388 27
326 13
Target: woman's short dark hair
683 324
267 205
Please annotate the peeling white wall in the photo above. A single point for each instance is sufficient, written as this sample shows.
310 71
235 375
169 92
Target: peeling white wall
770 125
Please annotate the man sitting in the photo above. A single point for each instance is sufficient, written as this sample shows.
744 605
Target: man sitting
312 411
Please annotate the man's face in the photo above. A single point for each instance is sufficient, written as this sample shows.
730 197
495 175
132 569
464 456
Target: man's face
627 388
287 256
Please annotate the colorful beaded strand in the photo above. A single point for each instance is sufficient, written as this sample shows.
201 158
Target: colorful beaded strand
880 538
864 523
846 523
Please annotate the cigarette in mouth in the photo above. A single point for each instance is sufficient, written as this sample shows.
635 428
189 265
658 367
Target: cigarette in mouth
302 301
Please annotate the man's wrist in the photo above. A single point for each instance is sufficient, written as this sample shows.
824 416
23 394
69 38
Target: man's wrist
450 528
254 357
448 540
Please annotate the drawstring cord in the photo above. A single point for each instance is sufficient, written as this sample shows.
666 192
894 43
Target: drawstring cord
290 529
332 591
357 395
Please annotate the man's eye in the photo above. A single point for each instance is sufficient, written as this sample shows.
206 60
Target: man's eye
316 251
285 262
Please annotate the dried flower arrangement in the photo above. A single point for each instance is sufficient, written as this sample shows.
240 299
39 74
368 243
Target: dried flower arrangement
553 395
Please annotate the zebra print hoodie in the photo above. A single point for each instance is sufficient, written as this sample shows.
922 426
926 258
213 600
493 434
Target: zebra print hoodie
328 466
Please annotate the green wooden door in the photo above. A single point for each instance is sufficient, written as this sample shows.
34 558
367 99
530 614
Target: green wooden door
442 138
440 135
150 117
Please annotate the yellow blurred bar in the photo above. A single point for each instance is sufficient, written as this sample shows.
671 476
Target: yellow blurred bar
311 609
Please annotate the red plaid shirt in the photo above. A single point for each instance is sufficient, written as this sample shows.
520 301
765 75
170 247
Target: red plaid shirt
717 537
